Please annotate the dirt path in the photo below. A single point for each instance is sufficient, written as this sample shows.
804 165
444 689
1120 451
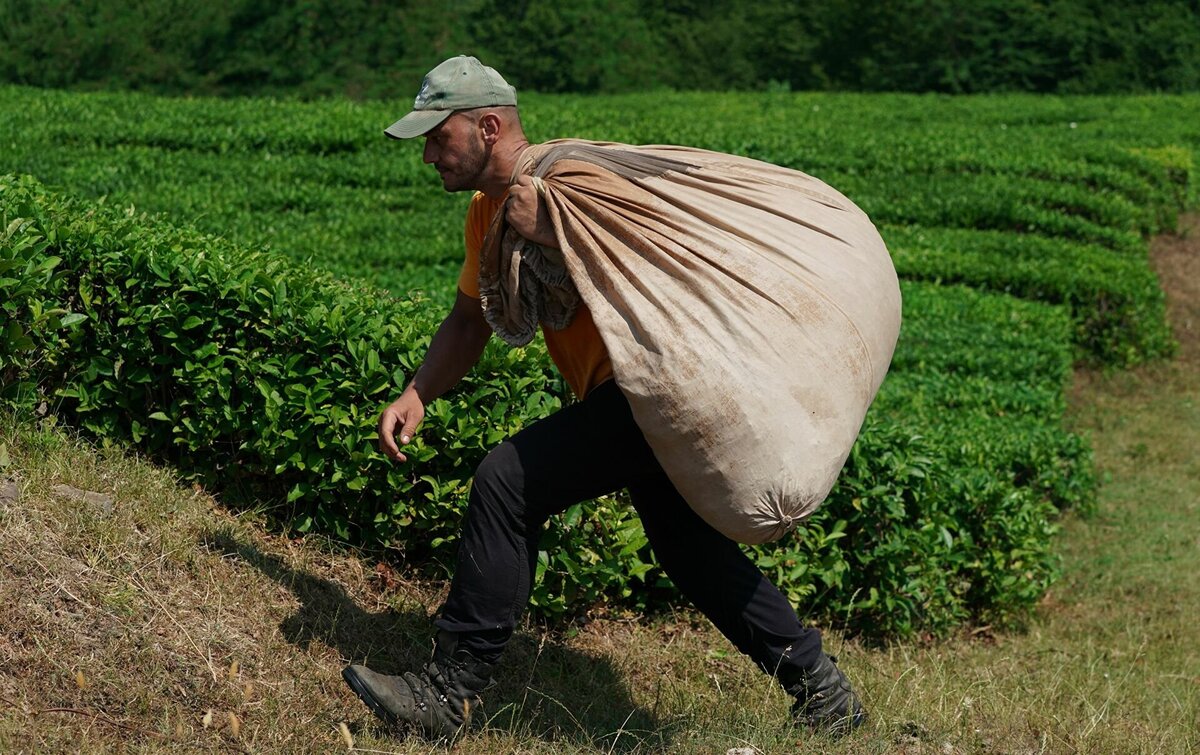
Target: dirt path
1176 259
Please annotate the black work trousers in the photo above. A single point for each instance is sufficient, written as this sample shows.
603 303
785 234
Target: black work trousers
586 450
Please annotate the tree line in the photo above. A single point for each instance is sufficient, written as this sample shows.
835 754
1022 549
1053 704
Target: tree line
381 48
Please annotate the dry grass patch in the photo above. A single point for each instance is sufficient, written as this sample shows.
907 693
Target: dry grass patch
140 624
152 620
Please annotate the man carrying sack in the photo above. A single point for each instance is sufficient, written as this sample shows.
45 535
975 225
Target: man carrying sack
724 323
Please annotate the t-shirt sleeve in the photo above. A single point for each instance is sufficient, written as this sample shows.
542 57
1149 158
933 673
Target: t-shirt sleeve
473 234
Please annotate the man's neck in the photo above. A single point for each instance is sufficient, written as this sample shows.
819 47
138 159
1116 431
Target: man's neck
504 160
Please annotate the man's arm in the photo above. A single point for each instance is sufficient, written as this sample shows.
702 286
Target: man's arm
454 350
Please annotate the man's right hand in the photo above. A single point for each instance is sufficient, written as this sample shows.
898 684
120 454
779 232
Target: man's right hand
400 420
455 347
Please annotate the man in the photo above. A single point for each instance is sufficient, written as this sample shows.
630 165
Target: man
468 117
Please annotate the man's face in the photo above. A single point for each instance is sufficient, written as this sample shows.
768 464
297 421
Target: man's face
456 148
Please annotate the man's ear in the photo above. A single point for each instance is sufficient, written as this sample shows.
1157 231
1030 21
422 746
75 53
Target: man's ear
490 126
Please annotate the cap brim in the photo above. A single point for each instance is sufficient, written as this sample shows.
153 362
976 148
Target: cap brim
416 123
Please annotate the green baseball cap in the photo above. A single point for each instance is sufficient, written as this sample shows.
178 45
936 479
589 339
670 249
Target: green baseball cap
460 83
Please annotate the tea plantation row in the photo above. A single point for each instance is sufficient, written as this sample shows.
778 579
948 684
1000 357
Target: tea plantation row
1072 182
265 375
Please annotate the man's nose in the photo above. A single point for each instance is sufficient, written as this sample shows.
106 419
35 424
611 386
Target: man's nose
430 154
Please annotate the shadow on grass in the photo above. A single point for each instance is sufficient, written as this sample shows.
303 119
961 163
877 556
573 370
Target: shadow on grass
543 690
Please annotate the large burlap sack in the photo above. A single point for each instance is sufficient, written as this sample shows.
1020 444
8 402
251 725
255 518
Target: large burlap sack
750 312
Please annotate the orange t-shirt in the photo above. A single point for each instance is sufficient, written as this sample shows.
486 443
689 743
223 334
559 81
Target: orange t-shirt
577 349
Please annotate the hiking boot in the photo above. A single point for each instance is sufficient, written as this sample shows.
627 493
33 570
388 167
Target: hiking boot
824 701
437 701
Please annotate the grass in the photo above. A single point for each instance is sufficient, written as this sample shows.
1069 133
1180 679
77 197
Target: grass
168 625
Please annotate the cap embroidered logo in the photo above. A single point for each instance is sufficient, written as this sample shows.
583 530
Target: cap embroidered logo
422 96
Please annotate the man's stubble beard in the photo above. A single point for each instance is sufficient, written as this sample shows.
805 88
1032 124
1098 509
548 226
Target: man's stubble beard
469 176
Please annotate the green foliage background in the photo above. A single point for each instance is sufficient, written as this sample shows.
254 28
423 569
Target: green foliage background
381 49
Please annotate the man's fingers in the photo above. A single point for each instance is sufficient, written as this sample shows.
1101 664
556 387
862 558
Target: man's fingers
399 423
406 436
409 430
388 446
387 432
384 431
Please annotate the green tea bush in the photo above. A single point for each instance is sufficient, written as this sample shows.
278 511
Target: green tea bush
263 376
1003 203
32 321
993 370
265 379
1117 305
